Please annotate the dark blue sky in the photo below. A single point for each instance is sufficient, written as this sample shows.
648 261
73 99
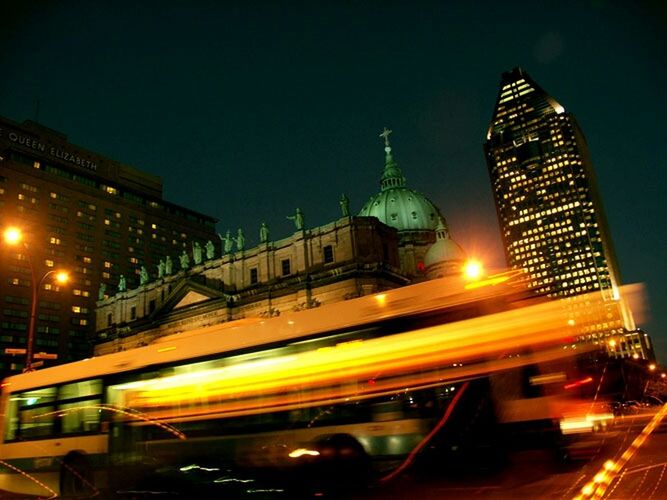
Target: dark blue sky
248 110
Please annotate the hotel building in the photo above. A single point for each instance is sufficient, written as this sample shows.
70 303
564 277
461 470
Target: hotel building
80 211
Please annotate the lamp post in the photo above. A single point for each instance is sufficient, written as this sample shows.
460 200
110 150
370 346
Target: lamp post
13 236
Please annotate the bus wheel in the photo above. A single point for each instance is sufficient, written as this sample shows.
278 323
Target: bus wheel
76 477
343 461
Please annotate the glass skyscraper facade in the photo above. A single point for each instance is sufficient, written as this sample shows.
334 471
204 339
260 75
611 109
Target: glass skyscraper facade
549 208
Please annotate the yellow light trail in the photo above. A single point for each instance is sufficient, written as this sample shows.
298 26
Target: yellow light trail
601 481
401 359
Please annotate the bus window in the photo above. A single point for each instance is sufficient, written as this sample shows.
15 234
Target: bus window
78 406
80 417
36 412
80 389
12 419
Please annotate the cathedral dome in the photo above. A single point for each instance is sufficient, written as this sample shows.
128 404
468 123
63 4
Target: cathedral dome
445 249
399 206
445 257
402 208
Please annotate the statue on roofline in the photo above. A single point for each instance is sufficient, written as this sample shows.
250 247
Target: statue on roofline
184 260
263 233
344 205
298 219
240 240
161 269
197 253
143 276
210 250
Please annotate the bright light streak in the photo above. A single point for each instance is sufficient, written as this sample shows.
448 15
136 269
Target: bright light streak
300 452
613 468
399 358
610 465
584 423
600 477
548 378
188 468
578 383
329 375
128 412
493 280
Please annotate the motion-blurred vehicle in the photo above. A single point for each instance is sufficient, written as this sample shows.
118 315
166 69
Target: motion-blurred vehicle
333 395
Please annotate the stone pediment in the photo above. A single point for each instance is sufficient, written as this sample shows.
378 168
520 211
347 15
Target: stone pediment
187 294
190 298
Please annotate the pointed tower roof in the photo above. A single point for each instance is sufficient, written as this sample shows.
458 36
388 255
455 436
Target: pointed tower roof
392 175
518 93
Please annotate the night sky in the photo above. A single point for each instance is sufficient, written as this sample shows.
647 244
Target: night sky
250 109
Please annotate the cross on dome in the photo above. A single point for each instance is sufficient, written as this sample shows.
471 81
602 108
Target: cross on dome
385 135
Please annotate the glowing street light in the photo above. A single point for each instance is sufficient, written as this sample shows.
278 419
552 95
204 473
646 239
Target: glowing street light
472 269
14 236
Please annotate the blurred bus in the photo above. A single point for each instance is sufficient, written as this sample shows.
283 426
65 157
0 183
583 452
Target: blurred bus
344 387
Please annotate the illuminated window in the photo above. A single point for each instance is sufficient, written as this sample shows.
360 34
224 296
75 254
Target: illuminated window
110 190
49 263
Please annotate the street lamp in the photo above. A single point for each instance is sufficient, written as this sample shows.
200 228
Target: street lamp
14 236
472 269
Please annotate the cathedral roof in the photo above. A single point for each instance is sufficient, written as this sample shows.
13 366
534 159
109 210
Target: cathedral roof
397 205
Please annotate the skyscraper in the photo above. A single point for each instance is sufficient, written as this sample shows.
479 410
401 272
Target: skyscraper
549 208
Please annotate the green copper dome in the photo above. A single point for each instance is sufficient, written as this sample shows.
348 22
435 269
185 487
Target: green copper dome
399 206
